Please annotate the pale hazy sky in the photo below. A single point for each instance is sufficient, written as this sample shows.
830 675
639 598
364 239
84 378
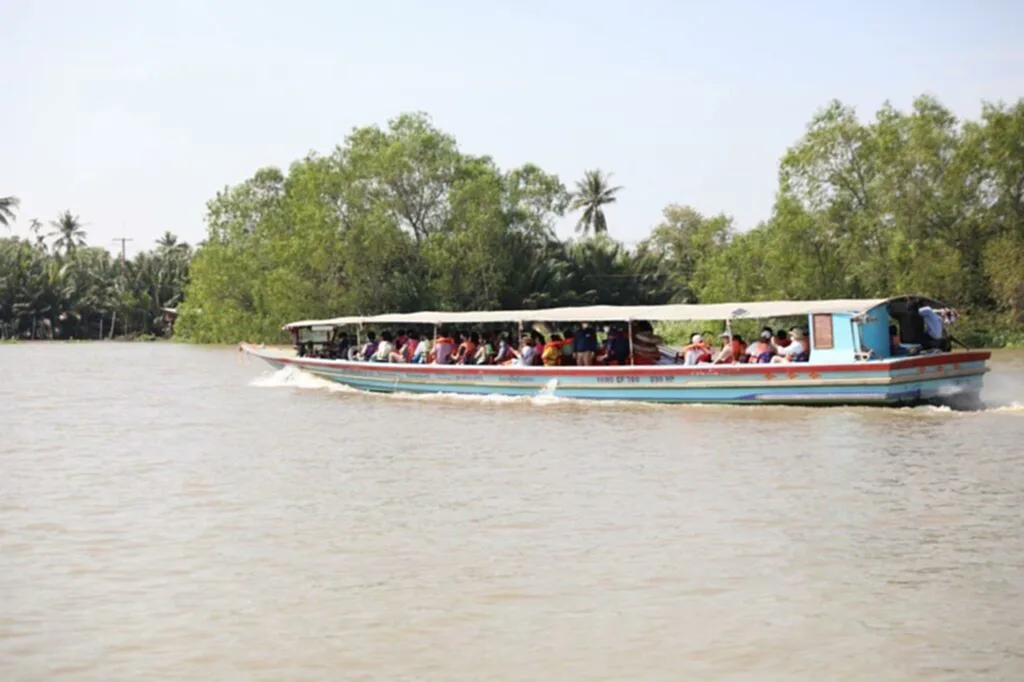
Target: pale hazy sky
133 114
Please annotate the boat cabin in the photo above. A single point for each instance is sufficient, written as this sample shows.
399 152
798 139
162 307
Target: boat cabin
869 335
836 331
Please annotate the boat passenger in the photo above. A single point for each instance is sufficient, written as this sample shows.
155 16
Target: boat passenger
617 345
585 345
568 349
538 346
934 336
443 347
343 345
422 352
504 352
528 353
370 347
460 340
896 347
552 353
485 351
796 351
385 349
466 352
781 340
696 352
733 349
408 349
762 351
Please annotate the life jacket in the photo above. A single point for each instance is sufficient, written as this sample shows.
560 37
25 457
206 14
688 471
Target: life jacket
443 348
739 349
467 353
551 356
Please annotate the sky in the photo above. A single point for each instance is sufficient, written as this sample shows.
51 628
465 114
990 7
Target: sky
134 114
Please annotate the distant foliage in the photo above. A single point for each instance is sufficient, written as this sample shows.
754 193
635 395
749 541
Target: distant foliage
67 290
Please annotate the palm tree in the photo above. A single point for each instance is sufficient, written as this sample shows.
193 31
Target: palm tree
592 193
7 207
68 232
168 241
36 228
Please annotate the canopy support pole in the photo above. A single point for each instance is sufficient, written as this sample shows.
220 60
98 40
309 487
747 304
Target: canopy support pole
630 327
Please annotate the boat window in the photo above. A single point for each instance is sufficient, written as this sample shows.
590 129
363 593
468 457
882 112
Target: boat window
822 332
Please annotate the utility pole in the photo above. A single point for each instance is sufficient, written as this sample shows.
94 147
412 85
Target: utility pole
124 241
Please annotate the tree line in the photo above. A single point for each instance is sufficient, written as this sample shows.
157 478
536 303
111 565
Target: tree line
55 286
398 218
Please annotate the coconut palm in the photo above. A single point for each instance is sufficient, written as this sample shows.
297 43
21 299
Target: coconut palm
7 208
36 228
592 193
168 241
68 232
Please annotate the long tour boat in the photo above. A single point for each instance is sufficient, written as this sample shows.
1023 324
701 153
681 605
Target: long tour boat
888 352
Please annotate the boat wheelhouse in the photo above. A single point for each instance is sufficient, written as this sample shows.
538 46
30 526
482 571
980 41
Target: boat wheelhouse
853 359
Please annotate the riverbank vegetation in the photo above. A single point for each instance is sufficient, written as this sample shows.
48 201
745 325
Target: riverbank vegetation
55 286
398 218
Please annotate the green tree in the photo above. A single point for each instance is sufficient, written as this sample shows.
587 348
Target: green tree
7 207
681 242
592 194
67 233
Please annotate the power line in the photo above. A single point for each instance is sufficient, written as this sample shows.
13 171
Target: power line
124 241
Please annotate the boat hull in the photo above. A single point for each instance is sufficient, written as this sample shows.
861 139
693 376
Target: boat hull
953 379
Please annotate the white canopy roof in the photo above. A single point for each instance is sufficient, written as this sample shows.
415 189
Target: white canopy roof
611 313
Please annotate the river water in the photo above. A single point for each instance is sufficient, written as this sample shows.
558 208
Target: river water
174 513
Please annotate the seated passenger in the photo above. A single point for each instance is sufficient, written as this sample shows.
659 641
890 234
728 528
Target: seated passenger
422 352
616 348
466 352
762 350
696 352
408 349
443 347
733 349
568 349
538 346
896 347
385 350
504 353
796 351
528 353
369 348
343 345
552 353
781 340
485 351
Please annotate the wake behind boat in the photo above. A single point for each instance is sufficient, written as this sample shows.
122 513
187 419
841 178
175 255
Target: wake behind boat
891 352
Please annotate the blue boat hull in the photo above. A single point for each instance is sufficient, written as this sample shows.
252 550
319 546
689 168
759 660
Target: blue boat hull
953 379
